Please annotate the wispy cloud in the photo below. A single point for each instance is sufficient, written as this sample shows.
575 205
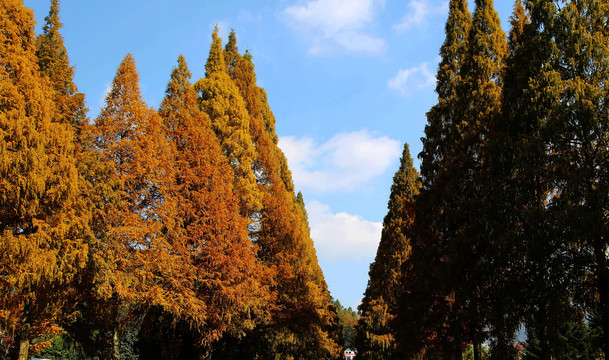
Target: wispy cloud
343 163
342 235
342 23
419 13
408 81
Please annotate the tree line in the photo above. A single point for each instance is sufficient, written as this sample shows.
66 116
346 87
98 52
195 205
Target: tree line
169 233
505 230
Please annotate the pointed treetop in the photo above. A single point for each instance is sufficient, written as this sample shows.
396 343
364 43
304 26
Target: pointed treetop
178 94
518 20
181 73
248 56
215 61
452 51
126 82
231 45
52 54
406 181
52 22
487 41
301 203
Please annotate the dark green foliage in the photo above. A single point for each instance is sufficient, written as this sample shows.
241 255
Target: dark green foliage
63 348
578 341
426 300
347 318
375 337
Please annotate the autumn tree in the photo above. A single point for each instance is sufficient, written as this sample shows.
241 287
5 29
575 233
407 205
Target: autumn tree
375 332
130 242
41 248
303 323
347 318
465 198
219 285
220 99
54 63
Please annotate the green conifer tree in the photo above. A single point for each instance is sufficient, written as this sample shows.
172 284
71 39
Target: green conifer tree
374 333
535 250
424 324
580 156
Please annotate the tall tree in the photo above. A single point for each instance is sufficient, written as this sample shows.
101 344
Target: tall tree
537 251
504 313
580 150
427 297
54 63
208 237
284 241
41 251
220 99
375 334
131 139
465 198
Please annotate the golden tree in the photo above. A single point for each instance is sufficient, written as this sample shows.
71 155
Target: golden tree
215 269
41 248
304 322
220 99
130 244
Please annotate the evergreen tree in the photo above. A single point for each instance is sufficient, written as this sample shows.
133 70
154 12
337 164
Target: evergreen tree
427 288
375 336
347 318
465 198
535 250
580 156
41 247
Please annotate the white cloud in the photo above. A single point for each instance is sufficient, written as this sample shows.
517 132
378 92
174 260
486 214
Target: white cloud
410 80
342 235
419 12
107 89
343 23
343 163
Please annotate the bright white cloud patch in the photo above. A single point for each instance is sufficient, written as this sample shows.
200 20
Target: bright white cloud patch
419 12
408 81
343 163
331 23
342 235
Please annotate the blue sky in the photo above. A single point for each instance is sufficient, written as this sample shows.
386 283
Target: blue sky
349 82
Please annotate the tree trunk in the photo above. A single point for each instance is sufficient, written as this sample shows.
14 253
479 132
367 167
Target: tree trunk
477 351
24 342
115 348
544 341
